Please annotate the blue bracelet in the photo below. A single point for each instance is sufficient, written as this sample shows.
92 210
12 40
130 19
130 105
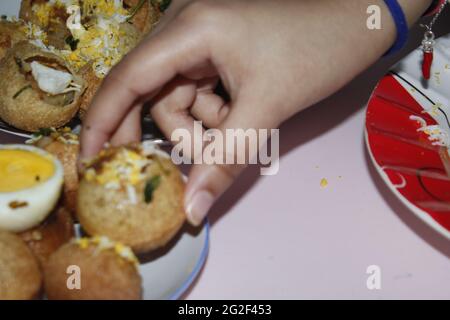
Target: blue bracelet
401 24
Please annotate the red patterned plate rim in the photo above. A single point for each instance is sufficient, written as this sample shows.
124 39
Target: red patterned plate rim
411 166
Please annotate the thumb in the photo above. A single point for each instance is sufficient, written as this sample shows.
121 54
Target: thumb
207 182
205 185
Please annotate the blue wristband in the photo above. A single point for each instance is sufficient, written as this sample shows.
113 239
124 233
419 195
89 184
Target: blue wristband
400 22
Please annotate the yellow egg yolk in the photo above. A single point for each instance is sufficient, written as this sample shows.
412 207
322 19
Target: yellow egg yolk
22 169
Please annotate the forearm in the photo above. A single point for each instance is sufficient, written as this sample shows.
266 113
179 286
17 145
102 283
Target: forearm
376 42
340 32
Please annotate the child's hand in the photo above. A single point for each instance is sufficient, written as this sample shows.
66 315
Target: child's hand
275 58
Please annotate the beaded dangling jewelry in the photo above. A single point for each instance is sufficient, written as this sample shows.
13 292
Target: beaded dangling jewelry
428 44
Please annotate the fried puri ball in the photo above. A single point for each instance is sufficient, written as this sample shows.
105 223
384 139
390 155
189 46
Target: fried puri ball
37 89
92 82
146 17
106 270
51 18
43 13
10 34
20 276
142 14
64 144
131 37
132 194
51 234
28 12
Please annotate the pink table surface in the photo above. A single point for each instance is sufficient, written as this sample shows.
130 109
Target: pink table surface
285 237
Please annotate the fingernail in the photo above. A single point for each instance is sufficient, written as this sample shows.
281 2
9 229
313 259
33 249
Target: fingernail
198 207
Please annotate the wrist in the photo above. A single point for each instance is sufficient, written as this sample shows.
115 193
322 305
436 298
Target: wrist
384 39
404 14
414 10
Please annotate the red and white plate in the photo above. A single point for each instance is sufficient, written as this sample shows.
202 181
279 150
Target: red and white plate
408 135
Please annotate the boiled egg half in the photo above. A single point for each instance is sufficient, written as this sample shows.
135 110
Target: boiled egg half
31 180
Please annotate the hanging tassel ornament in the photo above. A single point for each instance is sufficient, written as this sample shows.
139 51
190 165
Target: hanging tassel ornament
428 54
429 42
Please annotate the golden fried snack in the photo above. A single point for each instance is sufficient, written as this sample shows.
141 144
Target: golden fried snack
46 238
146 16
20 276
42 13
107 271
133 195
93 83
58 35
51 18
10 34
26 10
129 41
37 89
131 37
63 144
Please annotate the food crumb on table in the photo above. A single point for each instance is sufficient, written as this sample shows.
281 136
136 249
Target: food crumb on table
323 183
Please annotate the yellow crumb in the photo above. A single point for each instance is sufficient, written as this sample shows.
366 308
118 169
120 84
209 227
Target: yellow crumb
323 183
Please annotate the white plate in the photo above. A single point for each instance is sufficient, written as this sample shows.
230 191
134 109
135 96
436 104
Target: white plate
169 272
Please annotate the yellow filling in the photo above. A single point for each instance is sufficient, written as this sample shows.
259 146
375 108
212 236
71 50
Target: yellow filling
104 7
103 44
22 169
103 243
43 12
125 168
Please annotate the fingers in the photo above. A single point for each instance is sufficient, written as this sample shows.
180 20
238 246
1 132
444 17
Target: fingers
130 129
207 183
171 108
209 107
139 76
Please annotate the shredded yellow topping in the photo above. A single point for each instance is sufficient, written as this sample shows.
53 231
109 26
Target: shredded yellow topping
103 243
106 8
126 167
64 135
101 42
43 11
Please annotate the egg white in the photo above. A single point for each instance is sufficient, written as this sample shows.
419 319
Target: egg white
40 199
50 80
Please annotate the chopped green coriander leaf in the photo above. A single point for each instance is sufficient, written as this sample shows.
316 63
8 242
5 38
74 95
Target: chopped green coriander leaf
163 5
18 93
72 42
150 187
136 9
